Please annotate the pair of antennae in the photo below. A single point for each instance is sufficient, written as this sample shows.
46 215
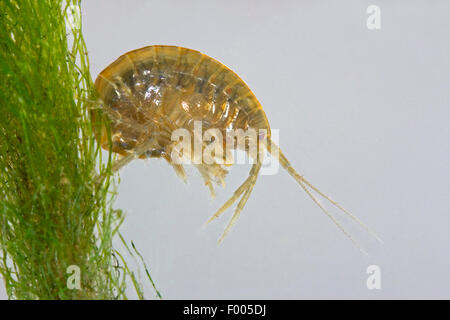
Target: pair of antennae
305 184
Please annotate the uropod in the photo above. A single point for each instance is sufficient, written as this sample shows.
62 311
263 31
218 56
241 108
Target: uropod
149 93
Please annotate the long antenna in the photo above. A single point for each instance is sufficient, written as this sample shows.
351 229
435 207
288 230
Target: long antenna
277 153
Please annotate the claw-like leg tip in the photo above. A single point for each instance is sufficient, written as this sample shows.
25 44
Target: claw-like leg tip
210 219
207 222
221 239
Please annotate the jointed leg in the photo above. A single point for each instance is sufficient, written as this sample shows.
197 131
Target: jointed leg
206 179
244 190
179 169
235 196
242 202
139 150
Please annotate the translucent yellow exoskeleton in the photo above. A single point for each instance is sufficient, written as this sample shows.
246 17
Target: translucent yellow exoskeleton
150 92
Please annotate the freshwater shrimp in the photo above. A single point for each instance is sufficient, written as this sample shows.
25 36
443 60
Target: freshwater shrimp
150 92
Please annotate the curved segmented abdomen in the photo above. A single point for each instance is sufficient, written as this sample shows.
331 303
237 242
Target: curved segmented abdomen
166 87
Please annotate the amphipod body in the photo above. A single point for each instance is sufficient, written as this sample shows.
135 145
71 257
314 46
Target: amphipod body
150 92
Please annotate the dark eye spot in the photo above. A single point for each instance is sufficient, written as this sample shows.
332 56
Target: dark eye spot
122 145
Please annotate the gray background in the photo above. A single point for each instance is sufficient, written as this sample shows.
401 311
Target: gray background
363 114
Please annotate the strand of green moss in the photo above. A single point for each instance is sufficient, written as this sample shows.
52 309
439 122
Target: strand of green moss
53 213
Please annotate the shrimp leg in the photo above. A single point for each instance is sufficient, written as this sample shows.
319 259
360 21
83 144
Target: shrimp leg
242 202
245 189
139 150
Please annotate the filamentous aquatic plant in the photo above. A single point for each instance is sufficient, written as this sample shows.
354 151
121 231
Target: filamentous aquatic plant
56 190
